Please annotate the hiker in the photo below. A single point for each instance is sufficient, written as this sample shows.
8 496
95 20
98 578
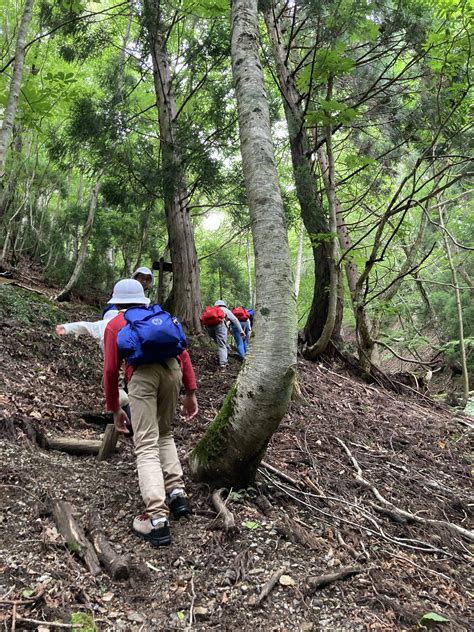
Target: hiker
144 276
95 329
214 320
153 390
243 317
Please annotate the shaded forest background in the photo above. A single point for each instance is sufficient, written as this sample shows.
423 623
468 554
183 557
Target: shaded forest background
120 122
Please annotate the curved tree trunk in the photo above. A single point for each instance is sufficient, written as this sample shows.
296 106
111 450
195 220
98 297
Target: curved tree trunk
15 84
185 297
234 444
312 212
64 294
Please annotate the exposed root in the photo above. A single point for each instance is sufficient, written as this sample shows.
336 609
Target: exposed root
401 513
222 512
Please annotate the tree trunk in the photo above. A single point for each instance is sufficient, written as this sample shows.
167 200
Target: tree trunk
235 442
185 297
457 294
320 346
312 212
64 294
15 84
299 259
365 342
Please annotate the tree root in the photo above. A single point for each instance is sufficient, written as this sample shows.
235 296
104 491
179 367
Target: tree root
321 581
222 512
297 534
401 513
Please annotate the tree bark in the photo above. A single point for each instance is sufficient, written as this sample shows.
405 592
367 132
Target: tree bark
321 344
65 293
312 212
299 259
185 297
235 442
15 84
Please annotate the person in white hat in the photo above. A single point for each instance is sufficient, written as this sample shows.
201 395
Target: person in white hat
144 276
153 391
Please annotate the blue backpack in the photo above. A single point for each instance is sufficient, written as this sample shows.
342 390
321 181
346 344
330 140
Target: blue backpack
150 336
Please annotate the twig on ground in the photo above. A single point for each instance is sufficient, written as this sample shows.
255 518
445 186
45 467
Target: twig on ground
266 590
191 607
280 474
406 514
53 624
315 583
222 511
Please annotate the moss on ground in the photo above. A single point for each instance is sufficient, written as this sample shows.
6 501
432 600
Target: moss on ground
28 308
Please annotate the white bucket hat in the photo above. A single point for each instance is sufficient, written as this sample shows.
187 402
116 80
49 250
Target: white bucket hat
145 271
220 304
129 292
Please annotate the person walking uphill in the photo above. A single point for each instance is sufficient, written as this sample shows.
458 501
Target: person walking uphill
213 318
153 390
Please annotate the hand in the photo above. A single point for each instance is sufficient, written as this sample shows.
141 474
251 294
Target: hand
120 421
60 330
242 335
190 406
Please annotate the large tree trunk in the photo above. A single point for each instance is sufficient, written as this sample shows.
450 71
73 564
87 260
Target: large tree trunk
185 297
312 212
15 84
65 293
235 442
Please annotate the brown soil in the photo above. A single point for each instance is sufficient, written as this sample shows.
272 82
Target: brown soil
412 450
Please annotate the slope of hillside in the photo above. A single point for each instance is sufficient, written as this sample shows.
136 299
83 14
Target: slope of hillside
356 479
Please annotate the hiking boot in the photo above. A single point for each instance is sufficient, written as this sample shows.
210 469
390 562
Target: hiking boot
179 504
155 531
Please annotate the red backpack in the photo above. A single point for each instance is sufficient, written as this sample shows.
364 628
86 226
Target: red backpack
212 316
241 314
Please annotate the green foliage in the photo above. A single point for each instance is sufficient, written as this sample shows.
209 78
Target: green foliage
432 617
85 621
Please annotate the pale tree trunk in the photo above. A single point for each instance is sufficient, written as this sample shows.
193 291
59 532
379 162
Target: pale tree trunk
185 297
457 294
15 84
65 293
235 442
312 212
299 259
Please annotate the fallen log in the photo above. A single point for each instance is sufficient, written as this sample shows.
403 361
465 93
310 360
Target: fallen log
117 566
72 532
74 446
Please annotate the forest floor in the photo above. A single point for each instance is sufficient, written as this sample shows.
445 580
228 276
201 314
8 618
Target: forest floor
307 515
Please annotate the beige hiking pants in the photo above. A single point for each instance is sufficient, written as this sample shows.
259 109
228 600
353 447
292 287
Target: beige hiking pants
154 391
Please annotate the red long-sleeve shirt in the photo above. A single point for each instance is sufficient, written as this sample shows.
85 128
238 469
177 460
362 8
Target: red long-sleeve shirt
113 361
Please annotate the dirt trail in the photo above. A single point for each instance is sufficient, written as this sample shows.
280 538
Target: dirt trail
311 517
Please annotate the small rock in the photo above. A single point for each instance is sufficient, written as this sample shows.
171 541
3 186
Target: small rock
286 580
136 617
200 612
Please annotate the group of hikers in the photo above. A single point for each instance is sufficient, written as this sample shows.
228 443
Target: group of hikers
145 365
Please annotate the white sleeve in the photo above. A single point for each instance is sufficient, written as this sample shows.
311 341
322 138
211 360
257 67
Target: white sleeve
96 329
